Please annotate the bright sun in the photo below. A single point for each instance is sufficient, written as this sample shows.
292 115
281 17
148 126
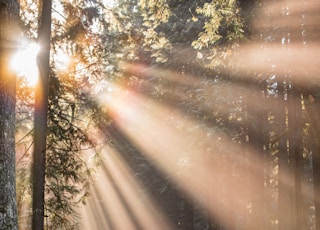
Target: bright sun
24 62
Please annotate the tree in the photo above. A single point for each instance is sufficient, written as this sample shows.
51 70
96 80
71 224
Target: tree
9 13
61 177
40 117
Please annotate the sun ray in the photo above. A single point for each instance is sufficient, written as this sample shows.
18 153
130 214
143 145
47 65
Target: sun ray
286 43
161 133
164 145
122 206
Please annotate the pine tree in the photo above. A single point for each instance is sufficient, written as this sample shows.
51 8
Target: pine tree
9 12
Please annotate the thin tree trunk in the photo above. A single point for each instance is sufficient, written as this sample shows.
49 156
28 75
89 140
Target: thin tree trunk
40 117
9 13
295 159
315 126
316 179
299 215
287 152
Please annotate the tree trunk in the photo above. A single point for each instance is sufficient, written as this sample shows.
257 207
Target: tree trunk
9 13
285 182
313 113
40 117
316 179
295 159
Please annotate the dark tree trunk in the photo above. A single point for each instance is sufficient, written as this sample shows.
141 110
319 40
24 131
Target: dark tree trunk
40 117
9 13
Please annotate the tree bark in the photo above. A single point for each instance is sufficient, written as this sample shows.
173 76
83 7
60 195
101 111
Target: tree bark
40 117
9 13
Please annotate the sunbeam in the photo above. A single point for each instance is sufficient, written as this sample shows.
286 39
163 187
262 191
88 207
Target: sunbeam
296 61
123 206
154 130
286 43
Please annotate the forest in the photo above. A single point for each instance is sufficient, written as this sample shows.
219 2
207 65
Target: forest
159 114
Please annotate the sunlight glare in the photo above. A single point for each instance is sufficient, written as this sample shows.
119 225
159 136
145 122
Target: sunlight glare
24 62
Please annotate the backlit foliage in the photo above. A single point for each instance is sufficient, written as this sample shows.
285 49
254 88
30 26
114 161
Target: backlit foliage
222 28
154 13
